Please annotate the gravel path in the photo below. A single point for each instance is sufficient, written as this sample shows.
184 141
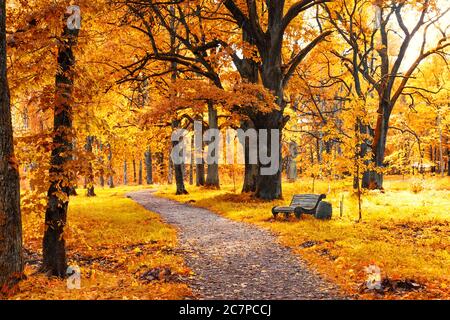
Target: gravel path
233 260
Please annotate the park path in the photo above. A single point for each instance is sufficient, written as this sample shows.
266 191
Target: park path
233 260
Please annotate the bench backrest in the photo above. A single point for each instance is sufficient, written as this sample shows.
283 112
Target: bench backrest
307 201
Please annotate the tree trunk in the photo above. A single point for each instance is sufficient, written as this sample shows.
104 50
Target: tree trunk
198 157
441 148
319 148
268 186
73 188
54 251
448 163
11 264
250 177
200 174
249 71
90 175
292 163
364 149
292 170
178 167
100 159
212 175
250 170
374 179
148 166
140 173
183 170
125 173
110 168
134 171
191 165
170 171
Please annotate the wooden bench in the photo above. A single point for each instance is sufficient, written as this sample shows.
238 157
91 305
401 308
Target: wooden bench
301 203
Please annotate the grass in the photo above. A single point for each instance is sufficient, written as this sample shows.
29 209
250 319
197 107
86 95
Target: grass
405 231
115 242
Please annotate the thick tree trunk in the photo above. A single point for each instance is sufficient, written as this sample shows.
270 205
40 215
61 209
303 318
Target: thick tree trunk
212 175
200 174
365 147
178 168
250 170
11 264
90 192
268 186
54 251
148 166
250 177
374 179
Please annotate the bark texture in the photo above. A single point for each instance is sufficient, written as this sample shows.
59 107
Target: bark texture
140 173
212 175
110 168
251 171
54 250
11 264
148 166
90 188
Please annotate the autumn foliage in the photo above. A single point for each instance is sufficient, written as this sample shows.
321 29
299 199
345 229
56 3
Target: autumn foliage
358 91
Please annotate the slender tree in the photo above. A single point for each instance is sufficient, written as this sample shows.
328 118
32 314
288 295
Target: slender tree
140 173
101 161
110 167
54 249
148 166
125 172
212 173
90 188
369 59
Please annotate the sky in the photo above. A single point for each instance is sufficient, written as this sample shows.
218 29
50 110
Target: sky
433 35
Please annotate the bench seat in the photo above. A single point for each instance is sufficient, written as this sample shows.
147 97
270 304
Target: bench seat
284 209
300 203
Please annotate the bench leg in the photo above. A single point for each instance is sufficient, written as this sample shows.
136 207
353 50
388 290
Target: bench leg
286 215
298 213
275 214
